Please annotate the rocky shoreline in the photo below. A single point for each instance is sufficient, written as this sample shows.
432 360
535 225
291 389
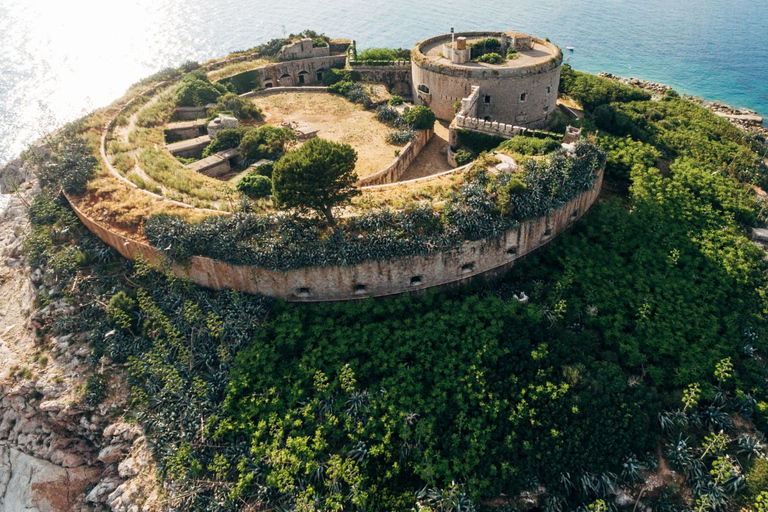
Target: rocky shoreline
56 453
746 119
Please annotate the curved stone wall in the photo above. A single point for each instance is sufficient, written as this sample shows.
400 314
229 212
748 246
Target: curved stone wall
501 87
489 257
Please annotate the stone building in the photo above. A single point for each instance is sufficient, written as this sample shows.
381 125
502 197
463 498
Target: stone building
520 91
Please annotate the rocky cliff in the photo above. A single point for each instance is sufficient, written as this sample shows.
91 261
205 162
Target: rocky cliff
55 453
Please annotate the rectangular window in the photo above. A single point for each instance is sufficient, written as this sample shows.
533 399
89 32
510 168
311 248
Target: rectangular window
549 89
487 99
523 96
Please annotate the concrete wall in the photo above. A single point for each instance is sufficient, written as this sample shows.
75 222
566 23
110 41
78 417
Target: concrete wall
393 172
490 257
505 85
302 50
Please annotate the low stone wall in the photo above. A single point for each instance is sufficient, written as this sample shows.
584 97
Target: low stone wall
396 169
396 77
488 127
271 91
489 257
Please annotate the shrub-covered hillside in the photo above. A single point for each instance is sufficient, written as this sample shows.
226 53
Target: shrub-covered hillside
635 371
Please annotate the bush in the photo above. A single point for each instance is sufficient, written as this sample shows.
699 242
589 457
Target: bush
530 145
224 139
490 58
592 91
512 54
479 142
400 137
266 142
757 478
95 390
420 118
395 100
255 185
241 108
386 114
265 169
463 157
342 87
336 75
196 90
356 94
384 54
71 168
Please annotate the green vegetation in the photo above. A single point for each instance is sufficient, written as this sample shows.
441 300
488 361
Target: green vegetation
592 91
243 109
395 100
530 145
224 139
382 55
420 117
255 185
463 157
490 58
643 336
317 176
266 142
334 76
72 166
484 46
196 90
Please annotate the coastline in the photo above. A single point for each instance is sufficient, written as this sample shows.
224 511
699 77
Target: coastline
746 119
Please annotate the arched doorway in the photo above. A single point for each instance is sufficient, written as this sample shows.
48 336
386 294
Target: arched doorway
286 80
303 77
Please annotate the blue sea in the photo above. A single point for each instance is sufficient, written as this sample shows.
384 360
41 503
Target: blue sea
60 60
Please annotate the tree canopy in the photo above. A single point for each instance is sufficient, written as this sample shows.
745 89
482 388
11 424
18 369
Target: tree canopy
317 176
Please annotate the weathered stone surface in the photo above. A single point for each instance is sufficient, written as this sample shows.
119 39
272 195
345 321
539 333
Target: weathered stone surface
29 483
760 235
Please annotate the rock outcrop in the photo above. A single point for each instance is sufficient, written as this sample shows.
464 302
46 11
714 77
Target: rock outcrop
55 454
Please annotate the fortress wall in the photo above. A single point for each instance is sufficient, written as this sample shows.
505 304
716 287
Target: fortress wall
397 78
274 73
504 103
396 169
490 257
449 83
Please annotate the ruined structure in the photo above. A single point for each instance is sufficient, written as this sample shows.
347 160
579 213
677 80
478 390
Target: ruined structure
521 90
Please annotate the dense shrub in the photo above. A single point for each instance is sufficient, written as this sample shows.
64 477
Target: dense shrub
196 90
592 91
384 54
490 58
420 117
395 100
386 114
336 75
479 142
224 139
242 108
255 185
265 142
342 87
265 169
530 145
463 157
70 168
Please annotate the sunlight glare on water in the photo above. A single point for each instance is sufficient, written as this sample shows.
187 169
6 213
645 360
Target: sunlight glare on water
59 60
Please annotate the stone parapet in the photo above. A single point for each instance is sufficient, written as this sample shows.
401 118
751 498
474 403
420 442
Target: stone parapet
393 172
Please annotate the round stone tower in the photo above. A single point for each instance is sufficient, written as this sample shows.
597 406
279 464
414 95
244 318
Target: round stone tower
521 90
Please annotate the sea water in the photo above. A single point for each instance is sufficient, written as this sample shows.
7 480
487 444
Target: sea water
60 60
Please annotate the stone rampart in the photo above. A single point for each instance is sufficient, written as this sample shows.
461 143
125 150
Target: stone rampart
488 127
396 77
396 169
376 278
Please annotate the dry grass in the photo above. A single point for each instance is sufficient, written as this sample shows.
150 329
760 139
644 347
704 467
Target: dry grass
338 120
112 202
236 69
405 194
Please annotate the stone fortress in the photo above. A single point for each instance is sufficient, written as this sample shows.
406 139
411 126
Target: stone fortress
504 100
521 91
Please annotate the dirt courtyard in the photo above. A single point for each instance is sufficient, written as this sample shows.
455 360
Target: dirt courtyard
338 120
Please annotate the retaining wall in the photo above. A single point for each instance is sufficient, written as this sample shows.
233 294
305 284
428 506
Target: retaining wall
489 257
396 169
